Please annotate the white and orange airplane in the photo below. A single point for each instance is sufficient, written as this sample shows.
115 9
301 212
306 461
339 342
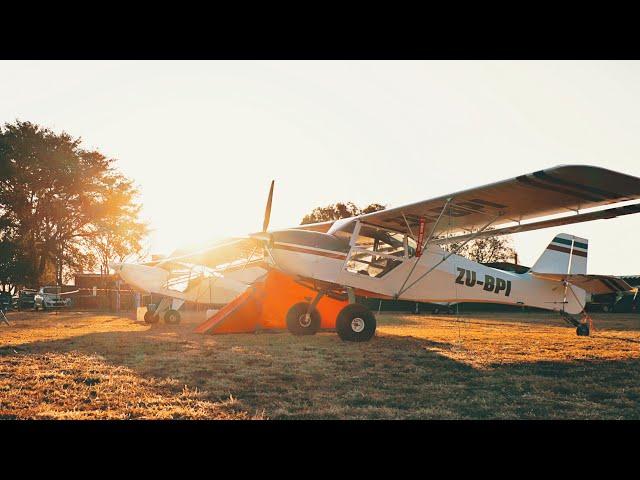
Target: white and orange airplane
177 283
397 253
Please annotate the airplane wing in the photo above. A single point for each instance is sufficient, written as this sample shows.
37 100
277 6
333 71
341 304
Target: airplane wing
591 283
562 189
214 255
554 222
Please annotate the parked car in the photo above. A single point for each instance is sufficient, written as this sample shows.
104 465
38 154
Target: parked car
24 300
49 298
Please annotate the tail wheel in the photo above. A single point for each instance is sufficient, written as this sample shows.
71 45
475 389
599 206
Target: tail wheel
172 317
302 321
583 330
150 317
356 323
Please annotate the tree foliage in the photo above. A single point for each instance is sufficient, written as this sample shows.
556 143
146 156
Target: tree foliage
13 265
59 203
339 210
486 250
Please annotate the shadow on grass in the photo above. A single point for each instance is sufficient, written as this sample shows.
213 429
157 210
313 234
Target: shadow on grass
389 377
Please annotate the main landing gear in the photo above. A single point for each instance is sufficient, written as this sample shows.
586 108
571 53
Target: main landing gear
303 319
354 323
171 317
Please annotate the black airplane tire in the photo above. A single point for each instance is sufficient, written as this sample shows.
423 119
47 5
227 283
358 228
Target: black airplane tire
150 318
172 317
582 330
299 324
356 323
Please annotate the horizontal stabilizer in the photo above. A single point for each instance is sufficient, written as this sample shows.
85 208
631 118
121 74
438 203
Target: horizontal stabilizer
595 284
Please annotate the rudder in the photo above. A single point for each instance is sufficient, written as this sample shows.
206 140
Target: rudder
566 254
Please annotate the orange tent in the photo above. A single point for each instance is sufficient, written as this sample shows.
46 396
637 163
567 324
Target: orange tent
265 305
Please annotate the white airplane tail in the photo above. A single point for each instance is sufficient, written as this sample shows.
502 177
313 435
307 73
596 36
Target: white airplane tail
566 255
565 260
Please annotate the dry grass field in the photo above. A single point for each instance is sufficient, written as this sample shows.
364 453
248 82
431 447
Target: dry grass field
491 366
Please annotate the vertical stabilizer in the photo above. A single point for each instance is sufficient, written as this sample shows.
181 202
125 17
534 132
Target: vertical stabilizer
565 254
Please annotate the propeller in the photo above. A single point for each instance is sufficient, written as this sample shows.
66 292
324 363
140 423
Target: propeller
267 211
266 237
264 240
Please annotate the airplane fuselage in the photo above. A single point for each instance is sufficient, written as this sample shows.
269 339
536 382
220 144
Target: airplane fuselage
425 279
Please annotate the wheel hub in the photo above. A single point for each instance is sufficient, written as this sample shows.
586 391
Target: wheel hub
304 320
357 324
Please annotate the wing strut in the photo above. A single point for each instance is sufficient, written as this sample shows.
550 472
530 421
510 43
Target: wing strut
454 251
408 227
433 229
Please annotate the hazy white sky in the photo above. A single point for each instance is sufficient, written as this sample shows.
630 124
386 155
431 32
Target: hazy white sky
204 139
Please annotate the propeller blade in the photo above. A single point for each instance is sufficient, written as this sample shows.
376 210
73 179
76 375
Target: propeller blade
267 212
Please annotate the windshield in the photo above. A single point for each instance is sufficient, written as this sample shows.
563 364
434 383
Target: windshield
51 290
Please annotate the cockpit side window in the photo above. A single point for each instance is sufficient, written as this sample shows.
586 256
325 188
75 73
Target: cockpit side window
382 241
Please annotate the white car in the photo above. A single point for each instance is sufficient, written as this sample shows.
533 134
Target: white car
48 298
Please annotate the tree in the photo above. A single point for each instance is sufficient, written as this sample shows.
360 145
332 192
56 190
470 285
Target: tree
57 199
13 265
337 211
486 250
118 239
